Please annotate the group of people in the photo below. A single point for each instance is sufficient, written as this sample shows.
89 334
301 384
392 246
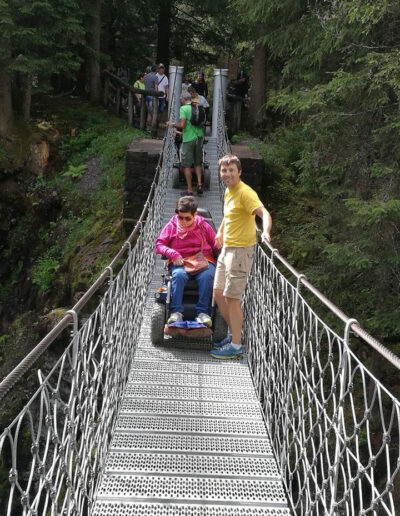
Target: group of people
187 233
154 79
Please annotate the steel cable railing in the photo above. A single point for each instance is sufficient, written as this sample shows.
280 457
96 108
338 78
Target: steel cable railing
335 428
56 447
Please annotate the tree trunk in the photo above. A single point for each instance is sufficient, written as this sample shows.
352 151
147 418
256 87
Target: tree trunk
258 84
27 97
164 31
93 51
6 111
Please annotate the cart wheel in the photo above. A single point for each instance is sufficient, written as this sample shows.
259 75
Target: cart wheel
207 178
157 323
220 327
175 178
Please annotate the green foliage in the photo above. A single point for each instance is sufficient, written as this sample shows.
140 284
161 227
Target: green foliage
46 268
3 342
76 172
242 135
334 162
46 36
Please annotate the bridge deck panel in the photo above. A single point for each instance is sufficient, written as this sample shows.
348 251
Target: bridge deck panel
174 509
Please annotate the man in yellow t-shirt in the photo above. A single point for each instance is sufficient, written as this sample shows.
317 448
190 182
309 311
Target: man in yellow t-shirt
237 237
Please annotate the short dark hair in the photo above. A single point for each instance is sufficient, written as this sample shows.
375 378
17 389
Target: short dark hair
228 159
140 74
192 89
186 204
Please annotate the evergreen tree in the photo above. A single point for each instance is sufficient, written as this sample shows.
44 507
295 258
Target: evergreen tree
336 84
38 38
6 29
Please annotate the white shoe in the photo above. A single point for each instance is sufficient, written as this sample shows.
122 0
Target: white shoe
175 317
204 319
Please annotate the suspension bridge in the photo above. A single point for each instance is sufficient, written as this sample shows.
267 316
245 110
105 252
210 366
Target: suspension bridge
122 427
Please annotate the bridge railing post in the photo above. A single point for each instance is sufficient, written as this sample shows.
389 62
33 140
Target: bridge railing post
219 95
106 91
143 112
118 101
154 121
339 423
130 108
175 88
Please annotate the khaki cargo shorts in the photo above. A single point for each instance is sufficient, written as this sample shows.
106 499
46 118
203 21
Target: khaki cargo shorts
192 152
233 267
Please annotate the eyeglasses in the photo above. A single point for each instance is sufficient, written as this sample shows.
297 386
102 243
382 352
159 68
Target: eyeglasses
188 218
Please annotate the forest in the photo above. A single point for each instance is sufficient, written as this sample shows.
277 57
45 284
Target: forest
324 106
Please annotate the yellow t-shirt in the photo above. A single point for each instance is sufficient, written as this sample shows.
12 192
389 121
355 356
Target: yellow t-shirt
239 223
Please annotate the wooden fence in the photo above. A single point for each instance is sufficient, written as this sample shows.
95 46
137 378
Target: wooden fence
123 98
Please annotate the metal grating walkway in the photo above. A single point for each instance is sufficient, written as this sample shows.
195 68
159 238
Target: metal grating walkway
190 438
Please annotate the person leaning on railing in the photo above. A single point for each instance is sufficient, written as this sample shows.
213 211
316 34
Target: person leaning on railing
237 237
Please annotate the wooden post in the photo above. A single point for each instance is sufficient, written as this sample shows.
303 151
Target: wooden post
130 108
236 115
143 112
118 101
154 120
106 91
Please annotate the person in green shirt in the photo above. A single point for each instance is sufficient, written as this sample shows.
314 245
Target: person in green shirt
139 84
192 144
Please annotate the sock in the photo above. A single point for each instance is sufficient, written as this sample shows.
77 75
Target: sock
236 346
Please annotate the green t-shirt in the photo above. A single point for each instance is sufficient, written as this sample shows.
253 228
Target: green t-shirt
190 131
139 85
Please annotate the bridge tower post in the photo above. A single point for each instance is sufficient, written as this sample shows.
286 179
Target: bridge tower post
175 86
220 86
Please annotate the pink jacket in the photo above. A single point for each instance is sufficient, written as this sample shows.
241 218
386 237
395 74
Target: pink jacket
173 247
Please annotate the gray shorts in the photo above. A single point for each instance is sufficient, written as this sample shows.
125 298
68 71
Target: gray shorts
192 152
233 267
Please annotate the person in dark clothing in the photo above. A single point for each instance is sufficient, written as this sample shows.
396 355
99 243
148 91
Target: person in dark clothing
200 85
241 85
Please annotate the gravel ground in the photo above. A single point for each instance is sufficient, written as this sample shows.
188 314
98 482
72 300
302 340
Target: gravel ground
91 178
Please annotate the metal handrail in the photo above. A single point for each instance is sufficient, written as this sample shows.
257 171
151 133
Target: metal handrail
356 328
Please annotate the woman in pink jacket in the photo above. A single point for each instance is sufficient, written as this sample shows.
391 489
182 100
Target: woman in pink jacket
186 234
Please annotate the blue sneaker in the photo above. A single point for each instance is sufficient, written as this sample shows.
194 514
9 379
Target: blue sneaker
227 352
220 343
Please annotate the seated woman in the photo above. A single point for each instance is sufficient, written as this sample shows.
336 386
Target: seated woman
186 234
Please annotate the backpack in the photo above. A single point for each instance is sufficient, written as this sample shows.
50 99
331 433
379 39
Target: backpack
198 117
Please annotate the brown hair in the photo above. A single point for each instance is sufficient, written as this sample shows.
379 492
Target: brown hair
186 204
228 159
